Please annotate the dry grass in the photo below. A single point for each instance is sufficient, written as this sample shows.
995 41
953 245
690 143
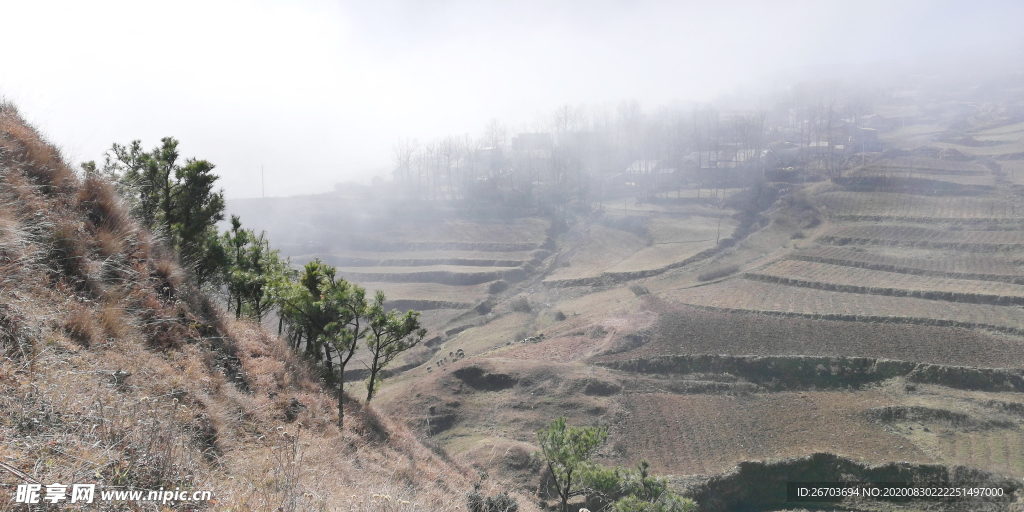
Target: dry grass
116 371
26 149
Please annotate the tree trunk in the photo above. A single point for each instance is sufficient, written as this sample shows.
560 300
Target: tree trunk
374 369
328 359
341 403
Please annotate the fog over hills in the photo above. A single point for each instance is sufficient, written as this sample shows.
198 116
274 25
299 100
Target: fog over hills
714 247
316 92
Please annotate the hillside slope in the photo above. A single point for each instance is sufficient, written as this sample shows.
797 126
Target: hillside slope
115 371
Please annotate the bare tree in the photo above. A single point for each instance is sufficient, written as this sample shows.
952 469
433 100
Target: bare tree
403 153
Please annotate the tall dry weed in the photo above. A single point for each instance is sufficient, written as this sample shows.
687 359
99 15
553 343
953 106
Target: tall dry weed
40 160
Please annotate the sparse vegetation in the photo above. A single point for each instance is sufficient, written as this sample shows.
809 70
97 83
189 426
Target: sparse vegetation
638 290
501 502
521 305
717 273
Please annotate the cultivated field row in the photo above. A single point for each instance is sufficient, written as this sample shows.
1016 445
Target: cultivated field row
931 166
840 278
611 277
410 262
422 258
958 266
443 274
1013 149
692 330
913 236
969 184
772 298
815 372
887 205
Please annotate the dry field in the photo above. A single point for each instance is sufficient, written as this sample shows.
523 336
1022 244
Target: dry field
1014 170
883 205
703 434
916 236
932 263
691 330
756 296
859 280
962 173
981 429
599 249
932 166
443 274
418 258
428 291
1013 148
672 239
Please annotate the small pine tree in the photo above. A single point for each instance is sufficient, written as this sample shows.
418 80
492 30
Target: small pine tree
389 335
567 452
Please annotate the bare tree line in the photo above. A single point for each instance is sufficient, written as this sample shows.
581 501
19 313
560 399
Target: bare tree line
575 155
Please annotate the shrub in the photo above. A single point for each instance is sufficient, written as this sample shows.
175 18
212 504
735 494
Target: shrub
498 286
484 307
521 305
638 290
66 256
501 502
559 316
629 224
716 273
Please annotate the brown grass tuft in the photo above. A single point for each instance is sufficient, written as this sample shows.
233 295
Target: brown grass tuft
41 161
68 256
101 205
81 327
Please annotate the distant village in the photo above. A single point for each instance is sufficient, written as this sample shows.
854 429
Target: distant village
586 157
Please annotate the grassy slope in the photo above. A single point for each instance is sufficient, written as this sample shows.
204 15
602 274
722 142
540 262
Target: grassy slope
85 293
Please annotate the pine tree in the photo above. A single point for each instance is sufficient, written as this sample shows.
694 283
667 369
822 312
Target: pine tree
389 336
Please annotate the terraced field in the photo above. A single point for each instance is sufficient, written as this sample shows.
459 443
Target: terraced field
671 240
1014 170
774 298
420 258
859 280
960 173
690 330
881 206
443 274
916 236
708 433
930 263
930 279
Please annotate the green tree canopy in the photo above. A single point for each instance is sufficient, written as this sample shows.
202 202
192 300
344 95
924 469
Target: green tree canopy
327 313
389 336
255 273
567 452
178 201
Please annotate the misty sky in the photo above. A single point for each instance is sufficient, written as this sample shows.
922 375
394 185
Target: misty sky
317 92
